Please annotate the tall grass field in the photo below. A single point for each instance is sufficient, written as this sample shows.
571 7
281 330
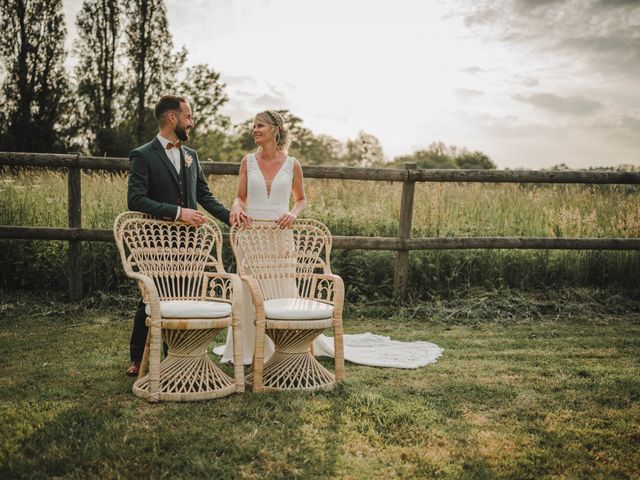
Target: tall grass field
39 198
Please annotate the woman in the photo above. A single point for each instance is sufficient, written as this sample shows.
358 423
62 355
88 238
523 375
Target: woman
266 182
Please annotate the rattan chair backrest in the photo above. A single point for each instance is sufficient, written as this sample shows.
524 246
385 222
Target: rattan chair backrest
174 254
282 261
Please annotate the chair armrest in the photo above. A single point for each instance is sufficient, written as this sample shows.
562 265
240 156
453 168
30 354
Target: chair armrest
328 288
149 292
221 286
256 296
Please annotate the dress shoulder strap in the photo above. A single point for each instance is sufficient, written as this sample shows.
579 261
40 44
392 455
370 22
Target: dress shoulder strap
287 166
251 162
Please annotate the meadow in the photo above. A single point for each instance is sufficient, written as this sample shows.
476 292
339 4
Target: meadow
38 198
529 387
539 376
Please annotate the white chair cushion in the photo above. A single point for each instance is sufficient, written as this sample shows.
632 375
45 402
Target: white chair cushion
297 309
192 309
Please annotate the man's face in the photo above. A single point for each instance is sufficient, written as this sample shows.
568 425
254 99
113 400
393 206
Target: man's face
184 122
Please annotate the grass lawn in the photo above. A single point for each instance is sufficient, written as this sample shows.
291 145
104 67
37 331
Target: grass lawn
555 394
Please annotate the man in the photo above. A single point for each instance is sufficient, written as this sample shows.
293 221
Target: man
166 181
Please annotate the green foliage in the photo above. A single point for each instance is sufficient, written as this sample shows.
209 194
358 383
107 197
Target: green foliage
35 92
205 91
217 146
439 155
153 66
308 148
100 81
474 160
364 151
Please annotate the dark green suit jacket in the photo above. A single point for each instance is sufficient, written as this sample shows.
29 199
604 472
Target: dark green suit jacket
153 184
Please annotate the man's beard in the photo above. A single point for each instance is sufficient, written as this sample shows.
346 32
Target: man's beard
181 133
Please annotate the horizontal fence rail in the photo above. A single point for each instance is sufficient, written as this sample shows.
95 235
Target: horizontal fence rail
117 164
364 243
402 244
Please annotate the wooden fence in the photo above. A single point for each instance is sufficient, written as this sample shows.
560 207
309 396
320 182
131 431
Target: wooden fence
401 244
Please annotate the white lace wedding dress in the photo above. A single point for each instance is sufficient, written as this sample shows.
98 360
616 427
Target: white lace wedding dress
365 348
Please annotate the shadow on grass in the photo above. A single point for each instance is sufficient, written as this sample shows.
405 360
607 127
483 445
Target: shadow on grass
250 435
69 412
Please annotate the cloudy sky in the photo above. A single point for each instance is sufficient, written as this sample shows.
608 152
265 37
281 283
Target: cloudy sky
532 83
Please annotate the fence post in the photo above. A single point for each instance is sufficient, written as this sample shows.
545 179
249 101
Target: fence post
404 232
74 213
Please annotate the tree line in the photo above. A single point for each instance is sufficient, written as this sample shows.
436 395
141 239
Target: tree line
125 59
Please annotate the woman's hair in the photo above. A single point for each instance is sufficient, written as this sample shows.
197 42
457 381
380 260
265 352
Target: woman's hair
280 130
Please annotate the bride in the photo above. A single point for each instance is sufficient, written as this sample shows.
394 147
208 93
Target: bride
266 182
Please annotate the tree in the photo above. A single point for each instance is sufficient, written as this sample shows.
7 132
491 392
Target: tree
477 160
35 89
364 151
326 150
205 91
438 155
152 64
100 83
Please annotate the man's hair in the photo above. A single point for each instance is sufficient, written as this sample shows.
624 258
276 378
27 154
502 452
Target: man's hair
166 104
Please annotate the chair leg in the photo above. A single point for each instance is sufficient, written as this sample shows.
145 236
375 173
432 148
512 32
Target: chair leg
145 356
338 351
238 356
258 357
155 346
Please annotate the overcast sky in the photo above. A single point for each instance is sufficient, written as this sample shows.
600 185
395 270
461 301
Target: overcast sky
531 83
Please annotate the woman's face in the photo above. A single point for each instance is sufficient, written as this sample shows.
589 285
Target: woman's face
261 132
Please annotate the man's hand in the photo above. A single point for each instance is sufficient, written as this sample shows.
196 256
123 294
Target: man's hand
192 217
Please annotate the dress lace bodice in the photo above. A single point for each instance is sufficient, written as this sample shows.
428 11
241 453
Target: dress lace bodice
261 203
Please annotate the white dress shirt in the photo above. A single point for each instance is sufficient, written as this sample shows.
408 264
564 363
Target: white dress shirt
172 153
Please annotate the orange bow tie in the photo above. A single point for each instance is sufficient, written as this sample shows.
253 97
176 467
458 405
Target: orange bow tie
173 145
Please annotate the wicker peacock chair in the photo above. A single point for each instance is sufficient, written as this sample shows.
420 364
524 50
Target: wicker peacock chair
189 299
296 297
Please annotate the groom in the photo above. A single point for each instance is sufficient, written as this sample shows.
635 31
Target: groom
166 181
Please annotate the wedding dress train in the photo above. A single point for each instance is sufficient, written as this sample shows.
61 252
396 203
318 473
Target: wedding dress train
366 348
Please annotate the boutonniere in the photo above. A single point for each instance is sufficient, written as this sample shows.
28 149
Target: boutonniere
188 159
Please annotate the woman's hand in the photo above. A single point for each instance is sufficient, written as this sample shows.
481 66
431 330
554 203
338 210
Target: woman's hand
239 217
286 219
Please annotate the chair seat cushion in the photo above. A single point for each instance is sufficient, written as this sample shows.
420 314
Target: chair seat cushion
192 309
296 309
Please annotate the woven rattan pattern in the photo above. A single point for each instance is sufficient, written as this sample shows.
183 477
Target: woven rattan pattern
290 263
175 261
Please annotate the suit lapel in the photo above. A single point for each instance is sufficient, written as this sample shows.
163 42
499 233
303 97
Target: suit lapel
187 174
162 154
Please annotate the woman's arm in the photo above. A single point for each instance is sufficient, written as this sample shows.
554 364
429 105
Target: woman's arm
299 197
238 215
